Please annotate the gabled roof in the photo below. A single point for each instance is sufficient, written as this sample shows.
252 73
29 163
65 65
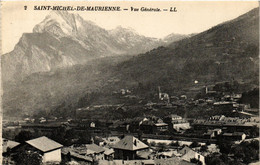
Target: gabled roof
93 148
210 132
160 124
44 144
8 144
188 153
130 143
234 134
148 122
108 151
185 150
174 115
73 153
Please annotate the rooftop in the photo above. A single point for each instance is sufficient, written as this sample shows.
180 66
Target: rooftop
8 144
160 124
93 148
44 144
130 143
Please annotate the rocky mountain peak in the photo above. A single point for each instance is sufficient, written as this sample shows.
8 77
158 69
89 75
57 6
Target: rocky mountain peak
63 23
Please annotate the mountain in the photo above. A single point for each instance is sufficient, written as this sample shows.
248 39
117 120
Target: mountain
63 39
175 37
228 51
132 41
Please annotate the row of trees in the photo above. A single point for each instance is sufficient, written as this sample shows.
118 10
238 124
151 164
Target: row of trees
230 153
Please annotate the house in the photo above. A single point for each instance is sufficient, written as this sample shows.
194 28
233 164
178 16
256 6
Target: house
109 153
8 145
76 154
49 149
236 136
95 151
127 148
181 126
148 127
42 120
176 122
92 125
109 141
85 152
174 117
217 131
225 106
209 134
145 154
188 154
164 155
212 133
161 127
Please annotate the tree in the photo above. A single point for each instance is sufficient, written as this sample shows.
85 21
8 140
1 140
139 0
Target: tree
176 144
161 146
194 160
194 144
23 136
214 160
204 148
224 146
28 158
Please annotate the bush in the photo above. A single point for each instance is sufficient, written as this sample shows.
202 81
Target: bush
176 144
194 144
194 160
28 158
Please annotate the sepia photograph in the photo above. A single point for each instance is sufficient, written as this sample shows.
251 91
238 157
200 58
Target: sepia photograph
129 83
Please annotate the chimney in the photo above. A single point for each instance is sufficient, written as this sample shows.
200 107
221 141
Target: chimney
135 143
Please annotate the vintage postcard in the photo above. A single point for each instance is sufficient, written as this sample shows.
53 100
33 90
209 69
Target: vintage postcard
133 82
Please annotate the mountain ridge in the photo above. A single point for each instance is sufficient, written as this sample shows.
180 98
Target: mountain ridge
65 39
228 51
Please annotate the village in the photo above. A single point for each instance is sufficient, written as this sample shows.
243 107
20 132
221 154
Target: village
163 136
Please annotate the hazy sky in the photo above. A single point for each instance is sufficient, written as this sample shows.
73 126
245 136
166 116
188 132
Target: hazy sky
191 17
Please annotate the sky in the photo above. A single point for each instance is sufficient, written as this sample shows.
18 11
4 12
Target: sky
191 17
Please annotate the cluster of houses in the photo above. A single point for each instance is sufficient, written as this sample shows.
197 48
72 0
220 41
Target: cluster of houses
112 149
226 128
155 125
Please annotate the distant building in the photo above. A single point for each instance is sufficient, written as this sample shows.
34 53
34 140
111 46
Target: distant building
212 133
236 136
217 131
209 90
150 127
161 127
92 125
177 122
163 96
127 148
226 106
42 120
188 154
175 117
209 134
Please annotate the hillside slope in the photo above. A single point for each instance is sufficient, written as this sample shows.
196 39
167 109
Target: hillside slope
225 52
